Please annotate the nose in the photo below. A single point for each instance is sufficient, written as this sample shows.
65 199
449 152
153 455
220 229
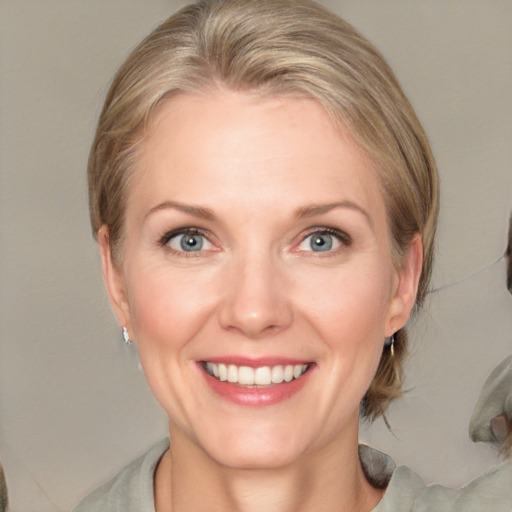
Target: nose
256 302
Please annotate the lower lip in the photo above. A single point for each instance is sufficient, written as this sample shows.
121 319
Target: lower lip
256 396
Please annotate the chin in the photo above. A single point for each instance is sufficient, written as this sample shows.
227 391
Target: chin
255 456
266 446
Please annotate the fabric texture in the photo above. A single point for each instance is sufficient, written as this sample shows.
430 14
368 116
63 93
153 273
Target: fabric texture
132 489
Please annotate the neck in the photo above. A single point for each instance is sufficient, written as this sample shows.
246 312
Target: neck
329 480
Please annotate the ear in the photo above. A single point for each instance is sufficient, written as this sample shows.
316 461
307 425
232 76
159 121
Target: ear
114 280
405 287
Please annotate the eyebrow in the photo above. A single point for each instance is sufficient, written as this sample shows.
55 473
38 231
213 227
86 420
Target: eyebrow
196 211
319 209
302 212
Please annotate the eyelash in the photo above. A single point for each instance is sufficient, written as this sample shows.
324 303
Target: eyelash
168 236
344 239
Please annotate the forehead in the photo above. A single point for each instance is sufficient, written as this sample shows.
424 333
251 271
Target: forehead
234 146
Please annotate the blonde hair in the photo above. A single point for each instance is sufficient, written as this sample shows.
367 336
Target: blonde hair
275 47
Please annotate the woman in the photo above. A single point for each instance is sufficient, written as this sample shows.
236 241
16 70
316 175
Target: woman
265 202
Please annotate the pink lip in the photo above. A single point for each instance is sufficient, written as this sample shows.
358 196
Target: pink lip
256 362
255 396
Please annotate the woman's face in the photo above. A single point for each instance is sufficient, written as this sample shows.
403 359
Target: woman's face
257 251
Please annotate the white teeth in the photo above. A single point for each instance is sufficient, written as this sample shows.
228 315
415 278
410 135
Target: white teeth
232 373
261 376
277 374
298 370
246 376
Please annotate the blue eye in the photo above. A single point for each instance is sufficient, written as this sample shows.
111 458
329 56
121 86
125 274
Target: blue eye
191 243
187 242
321 241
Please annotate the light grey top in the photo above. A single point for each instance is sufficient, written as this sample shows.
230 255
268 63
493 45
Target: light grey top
132 489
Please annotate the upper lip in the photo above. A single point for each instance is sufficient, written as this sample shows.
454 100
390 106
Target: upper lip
256 362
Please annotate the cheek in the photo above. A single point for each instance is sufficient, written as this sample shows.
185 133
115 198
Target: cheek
166 308
167 311
349 316
348 305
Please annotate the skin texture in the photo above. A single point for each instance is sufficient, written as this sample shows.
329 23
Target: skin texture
254 177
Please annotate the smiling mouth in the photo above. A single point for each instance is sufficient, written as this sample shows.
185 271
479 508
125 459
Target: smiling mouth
260 376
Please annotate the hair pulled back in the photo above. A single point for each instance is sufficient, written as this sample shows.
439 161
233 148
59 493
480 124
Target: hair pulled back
276 47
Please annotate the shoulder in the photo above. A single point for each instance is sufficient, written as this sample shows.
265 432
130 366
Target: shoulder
131 490
406 492
491 491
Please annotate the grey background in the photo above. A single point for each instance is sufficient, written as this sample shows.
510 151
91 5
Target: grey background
74 407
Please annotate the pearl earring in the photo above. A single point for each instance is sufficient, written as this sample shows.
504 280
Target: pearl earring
126 336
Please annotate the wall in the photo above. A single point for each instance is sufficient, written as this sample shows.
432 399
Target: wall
73 405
